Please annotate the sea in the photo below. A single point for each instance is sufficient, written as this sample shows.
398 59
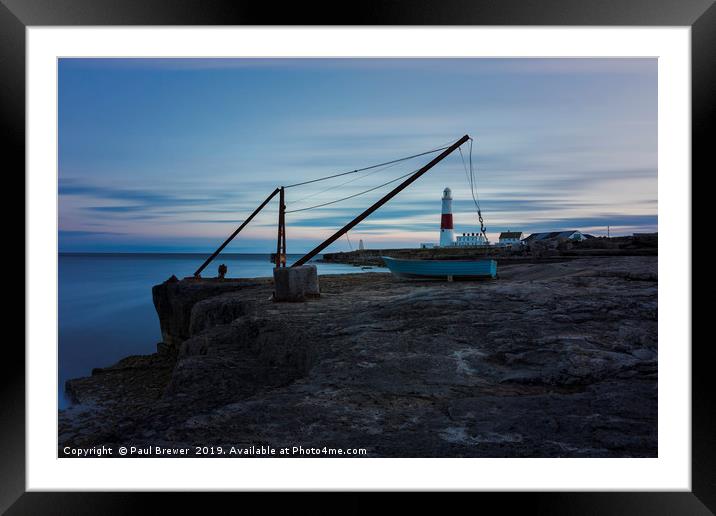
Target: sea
105 309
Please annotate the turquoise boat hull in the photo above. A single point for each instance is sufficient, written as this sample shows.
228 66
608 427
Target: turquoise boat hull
441 269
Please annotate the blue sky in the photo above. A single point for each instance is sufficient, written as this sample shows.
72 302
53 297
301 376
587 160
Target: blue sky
172 154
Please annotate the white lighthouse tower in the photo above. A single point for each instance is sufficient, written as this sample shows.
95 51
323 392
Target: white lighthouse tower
446 227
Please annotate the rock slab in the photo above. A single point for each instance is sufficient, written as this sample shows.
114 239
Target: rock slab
551 360
295 283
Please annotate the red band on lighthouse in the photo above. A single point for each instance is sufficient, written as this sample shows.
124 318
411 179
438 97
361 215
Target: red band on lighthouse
446 221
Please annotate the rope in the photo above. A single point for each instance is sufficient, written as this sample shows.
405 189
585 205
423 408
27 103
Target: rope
366 168
354 195
475 195
342 184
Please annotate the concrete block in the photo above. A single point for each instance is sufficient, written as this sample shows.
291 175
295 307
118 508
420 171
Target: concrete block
295 283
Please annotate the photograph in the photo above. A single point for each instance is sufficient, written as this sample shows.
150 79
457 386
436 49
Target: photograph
407 247
358 257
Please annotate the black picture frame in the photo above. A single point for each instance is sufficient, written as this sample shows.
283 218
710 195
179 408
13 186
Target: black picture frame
700 15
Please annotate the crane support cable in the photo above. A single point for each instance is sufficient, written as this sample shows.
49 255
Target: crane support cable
352 196
366 168
473 190
339 185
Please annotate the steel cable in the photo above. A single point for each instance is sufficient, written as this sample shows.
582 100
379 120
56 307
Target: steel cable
365 168
354 195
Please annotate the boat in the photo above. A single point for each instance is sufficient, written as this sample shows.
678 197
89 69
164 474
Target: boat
441 269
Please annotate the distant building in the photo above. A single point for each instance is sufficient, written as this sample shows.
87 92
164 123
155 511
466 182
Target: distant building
510 237
361 247
574 235
426 245
470 239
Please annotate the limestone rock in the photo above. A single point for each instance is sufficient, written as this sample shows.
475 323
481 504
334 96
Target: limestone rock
554 359
295 283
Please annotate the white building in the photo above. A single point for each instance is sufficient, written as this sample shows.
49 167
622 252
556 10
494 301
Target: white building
470 239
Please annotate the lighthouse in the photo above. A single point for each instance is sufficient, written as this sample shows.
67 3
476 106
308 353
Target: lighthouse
446 228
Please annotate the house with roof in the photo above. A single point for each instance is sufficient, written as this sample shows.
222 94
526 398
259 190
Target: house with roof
574 235
510 238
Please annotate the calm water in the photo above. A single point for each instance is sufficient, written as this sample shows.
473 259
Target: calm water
105 302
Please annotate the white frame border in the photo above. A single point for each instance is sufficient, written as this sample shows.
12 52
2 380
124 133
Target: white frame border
670 471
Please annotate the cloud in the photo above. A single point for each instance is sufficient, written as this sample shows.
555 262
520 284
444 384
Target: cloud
142 197
600 221
67 233
116 209
461 66
110 203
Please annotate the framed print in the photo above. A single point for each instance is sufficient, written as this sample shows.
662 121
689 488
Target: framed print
413 250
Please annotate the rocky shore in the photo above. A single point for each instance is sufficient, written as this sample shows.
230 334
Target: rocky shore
553 359
530 252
